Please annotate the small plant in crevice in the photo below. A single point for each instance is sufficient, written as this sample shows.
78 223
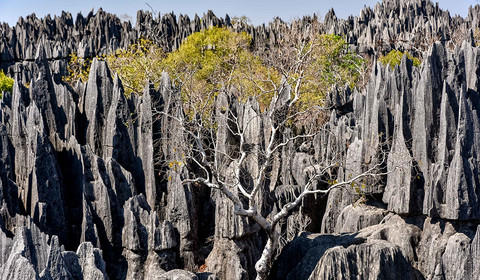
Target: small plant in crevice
78 69
6 83
394 58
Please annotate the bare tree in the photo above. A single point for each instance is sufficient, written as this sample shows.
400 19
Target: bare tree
231 144
220 150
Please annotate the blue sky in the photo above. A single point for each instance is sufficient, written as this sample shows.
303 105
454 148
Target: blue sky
258 11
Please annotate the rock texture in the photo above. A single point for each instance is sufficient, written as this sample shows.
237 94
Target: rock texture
407 25
84 193
78 164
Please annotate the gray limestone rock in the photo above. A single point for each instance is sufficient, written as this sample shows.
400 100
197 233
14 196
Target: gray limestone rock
400 190
91 261
178 274
232 258
447 251
84 162
370 260
300 257
457 259
146 131
34 255
96 103
143 231
354 218
462 201
383 249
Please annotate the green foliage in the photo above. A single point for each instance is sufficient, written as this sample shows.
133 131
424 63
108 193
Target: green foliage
6 83
331 63
394 57
78 69
140 63
218 59
476 37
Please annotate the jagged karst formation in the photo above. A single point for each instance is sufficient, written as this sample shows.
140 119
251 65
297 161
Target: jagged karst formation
84 194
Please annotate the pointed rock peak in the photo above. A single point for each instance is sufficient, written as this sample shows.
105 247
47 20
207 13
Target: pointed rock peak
227 20
404 62
98 68
148 88
41 55
16 91
444 87
117 86
54 243
99 87
330 15
138 201
437 53
165 88
470 38
150 96
91 261
333 117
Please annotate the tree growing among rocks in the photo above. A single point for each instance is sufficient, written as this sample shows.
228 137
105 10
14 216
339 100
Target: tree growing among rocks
238 155
235 148
237 115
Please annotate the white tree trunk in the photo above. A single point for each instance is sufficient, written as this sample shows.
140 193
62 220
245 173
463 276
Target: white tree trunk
264 264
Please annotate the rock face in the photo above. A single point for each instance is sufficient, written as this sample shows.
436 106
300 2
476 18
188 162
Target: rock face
84 193
429 114
77 167
391 24
31 255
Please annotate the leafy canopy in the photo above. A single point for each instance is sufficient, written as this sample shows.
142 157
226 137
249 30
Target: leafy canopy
394 57
78 69
140 63
476 37
331 63
6 83
218 59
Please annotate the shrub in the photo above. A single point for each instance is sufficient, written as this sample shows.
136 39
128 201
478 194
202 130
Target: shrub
6 83
218 59
394 57
140 63
331 63
476 37
78 69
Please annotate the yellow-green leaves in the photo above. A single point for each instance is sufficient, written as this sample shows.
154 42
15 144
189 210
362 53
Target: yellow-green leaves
331 63
6 83
394 57
138 64
78 69
476 37
218 59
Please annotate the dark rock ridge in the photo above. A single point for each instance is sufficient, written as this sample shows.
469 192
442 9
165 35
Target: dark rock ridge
427 117
406 25
84 193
